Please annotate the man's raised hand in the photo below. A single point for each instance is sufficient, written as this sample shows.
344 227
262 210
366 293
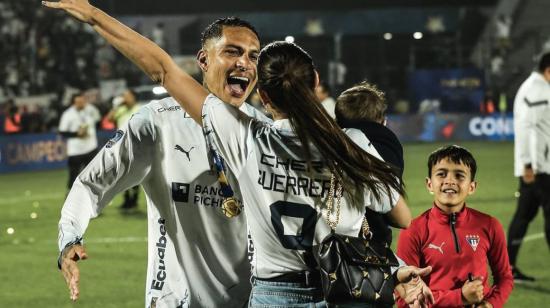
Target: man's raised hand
79 9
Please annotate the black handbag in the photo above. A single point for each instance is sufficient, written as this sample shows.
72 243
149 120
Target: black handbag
354 269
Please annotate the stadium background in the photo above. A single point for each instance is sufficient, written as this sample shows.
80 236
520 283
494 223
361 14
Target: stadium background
449 75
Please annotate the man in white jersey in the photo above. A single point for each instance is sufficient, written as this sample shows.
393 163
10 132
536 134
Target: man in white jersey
77 124
196 257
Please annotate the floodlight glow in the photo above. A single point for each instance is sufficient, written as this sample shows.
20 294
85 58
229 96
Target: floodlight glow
418 35
10 230
159 90
34 215
289 39
36 204
388 36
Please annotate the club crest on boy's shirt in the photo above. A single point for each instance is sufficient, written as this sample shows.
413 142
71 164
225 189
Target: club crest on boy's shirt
473 240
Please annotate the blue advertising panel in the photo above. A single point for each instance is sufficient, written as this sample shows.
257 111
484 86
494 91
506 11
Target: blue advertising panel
32 152
24 152
457 90
452 127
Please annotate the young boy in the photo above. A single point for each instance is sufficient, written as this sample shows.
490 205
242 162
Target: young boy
455 240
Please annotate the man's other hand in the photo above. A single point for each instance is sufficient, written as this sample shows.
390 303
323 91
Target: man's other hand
69 268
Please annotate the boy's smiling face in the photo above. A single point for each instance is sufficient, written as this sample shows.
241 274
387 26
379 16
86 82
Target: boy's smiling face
450 184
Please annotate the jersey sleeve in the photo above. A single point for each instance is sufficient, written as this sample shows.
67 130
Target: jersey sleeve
64 123
95 113
123 163
387 200
503 281
362 141
228 129
526 112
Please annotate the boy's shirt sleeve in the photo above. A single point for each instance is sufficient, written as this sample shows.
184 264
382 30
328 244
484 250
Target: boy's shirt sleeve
409 246
503 281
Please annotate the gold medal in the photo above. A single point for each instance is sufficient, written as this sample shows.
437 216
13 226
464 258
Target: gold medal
231 207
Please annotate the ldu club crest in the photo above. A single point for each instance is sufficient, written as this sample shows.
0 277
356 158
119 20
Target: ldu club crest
473 240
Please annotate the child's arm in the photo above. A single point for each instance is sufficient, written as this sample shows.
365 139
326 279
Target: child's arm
503 281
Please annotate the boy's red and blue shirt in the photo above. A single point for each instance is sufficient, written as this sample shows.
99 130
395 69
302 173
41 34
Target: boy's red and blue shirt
456 245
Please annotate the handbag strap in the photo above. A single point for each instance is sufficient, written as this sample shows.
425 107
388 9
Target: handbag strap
334 192
367 233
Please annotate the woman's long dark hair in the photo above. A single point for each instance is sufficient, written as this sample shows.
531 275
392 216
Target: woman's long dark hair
287 74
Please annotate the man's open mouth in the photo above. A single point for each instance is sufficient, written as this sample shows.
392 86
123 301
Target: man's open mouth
449 191
238 84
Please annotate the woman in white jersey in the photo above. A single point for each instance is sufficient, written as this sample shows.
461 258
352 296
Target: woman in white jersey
284 169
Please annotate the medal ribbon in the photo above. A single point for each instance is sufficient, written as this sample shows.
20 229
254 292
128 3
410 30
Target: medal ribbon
217 160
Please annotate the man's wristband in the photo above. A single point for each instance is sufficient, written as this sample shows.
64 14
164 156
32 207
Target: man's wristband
77 241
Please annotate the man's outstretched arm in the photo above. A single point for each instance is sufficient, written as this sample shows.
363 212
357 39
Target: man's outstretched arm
149 57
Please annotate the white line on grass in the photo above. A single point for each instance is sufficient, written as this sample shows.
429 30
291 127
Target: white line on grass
31 198
103 240
131 239
533 237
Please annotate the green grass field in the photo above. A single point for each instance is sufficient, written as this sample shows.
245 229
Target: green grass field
114 275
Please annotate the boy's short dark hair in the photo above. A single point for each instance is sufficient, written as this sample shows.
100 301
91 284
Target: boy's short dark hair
455 154
363 101
544 62
215 29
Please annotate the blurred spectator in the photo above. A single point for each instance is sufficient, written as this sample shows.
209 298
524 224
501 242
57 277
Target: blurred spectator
157 35
546 46
497 63
12 118
324 95
77 124
314 27
429 106
487 106
42 52
503 27
402 106
122 111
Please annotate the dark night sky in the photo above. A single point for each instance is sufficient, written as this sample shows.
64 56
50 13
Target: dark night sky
154 7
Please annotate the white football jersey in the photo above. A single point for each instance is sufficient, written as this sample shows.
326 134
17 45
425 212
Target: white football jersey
196 256
282 194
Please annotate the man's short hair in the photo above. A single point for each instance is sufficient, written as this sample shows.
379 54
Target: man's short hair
544 62
215 29
75 95
364 101
455 154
